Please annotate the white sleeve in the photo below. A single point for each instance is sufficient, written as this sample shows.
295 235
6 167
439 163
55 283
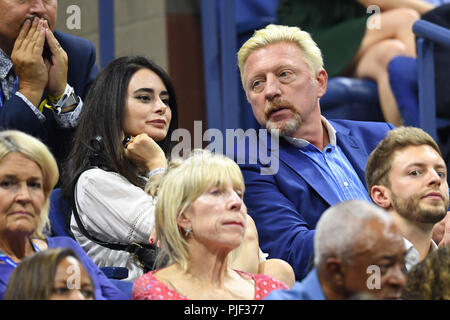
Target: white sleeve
113 209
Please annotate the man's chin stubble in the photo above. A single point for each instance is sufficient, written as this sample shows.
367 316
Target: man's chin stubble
284 128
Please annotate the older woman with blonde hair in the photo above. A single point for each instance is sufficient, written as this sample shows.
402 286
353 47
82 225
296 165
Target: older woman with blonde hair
200 220
28 173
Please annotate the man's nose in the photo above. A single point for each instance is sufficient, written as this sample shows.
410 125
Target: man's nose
434 177
272 88
37 8
397 278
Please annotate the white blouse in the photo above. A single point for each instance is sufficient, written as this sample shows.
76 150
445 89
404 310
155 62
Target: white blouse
112 210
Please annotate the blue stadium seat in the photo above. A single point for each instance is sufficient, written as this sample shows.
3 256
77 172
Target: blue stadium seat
226 25
59 213
352 99
125 286
403 81
412 80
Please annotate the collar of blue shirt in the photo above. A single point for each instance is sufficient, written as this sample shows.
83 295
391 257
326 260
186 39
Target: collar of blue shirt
299 143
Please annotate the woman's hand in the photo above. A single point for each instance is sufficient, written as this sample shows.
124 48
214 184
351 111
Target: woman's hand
145 152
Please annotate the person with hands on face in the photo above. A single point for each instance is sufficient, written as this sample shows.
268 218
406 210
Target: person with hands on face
145 152
44 73
131 128
35 70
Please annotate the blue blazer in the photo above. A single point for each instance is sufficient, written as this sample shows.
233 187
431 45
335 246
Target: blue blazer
82 70
287 205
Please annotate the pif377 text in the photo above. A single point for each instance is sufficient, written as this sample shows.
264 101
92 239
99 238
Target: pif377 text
245 309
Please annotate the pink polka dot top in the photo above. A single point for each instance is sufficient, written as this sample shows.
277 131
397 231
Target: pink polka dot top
148 287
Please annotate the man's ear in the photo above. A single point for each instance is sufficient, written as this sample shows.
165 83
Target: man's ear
334 269
322 81
381 196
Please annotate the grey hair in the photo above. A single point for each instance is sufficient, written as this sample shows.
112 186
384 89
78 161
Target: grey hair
340 227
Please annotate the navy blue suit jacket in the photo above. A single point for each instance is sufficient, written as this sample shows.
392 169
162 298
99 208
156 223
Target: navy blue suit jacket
287 205
82 70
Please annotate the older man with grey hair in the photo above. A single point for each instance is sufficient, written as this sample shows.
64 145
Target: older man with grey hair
358 250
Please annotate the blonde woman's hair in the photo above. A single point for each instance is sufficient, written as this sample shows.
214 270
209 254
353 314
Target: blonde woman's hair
12 141
277 33
183 182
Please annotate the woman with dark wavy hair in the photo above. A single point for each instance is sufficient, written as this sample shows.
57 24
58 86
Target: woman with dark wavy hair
122 141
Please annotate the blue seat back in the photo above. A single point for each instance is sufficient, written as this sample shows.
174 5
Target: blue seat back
59 213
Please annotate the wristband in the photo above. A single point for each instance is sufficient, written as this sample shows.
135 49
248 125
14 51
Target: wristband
54 100
67 102
155 172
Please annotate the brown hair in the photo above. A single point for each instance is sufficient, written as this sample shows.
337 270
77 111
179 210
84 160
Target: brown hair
430 279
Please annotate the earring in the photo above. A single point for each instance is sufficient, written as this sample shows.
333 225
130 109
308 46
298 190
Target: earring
188 232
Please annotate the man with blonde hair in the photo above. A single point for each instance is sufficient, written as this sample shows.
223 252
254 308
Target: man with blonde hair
407 176
321 162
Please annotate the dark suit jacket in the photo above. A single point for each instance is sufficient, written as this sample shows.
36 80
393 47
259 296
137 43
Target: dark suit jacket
82 70
287 205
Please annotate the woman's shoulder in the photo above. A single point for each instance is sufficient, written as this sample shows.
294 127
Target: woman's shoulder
149 287
101 182
98 175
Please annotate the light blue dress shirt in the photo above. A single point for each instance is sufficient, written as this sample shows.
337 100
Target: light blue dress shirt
334 166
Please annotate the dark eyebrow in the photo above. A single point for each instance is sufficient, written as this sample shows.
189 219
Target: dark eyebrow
151 91
145 90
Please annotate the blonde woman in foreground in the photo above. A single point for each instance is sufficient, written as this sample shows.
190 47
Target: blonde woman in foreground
200 220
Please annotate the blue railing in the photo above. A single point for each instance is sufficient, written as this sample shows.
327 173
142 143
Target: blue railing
106 31
428 34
